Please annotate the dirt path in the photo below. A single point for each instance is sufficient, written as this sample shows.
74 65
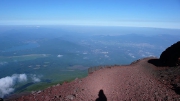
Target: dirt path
135 82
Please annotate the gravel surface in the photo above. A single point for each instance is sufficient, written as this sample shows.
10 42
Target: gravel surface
139 81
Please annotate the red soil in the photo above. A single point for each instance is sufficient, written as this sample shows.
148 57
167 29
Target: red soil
138 82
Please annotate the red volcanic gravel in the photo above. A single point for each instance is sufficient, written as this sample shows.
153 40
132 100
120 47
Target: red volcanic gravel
136 82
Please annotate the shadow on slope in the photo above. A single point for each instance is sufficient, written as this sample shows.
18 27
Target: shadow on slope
102 96
156 62
169 57
176 88
168 75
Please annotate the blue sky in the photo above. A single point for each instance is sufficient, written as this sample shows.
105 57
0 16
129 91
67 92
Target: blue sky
138 13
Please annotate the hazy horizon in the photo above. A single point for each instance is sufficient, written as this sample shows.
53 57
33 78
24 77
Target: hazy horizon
43 42
131 13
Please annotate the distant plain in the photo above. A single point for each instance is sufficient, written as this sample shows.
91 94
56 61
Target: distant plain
55 54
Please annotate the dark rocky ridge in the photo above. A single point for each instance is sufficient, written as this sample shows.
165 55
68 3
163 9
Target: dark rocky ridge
171 56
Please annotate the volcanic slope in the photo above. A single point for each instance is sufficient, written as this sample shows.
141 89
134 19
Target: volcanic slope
138 81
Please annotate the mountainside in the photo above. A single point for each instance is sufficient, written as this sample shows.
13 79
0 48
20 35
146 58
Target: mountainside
138 81
145 79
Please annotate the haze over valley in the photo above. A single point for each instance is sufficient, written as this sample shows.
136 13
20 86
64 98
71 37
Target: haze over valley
48 42
49 54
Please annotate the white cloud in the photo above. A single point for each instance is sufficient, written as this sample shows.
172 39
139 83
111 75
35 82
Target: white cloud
106 56
7 83
145 53
104 52
131 55
22 78
35 78
59 56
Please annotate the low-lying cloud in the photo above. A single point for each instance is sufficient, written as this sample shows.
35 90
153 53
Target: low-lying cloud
59 56
131 55
7 83
35 78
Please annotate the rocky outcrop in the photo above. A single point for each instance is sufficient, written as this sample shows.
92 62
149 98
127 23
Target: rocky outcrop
171 56
1 99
